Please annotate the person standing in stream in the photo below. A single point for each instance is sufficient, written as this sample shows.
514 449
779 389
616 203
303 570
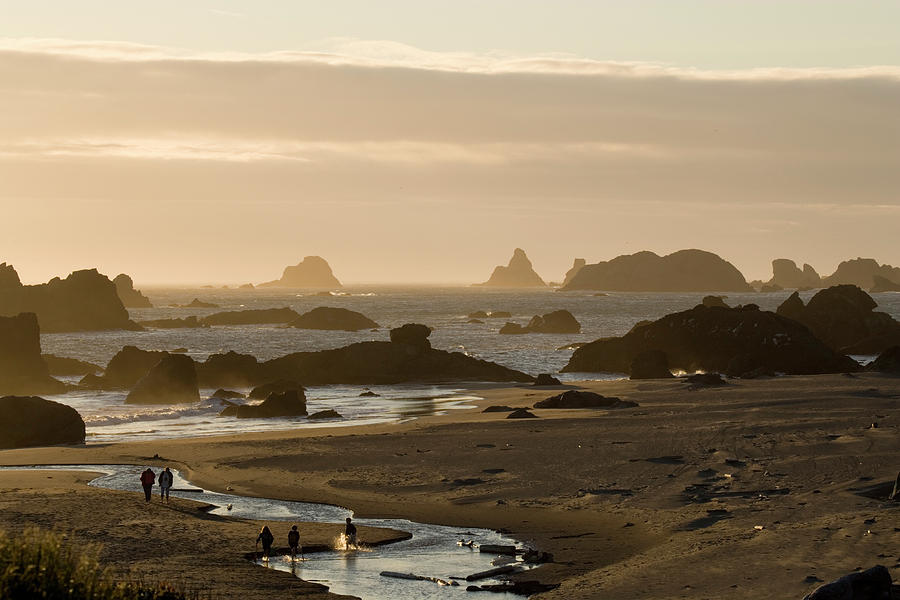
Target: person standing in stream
265 536
165 484
294 541
350 534
148 478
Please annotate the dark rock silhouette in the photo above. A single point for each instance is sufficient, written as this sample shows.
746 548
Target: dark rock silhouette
650 364
61 365
714 301
223 394
861 272
882 284
872 584
311 272
710 338
130 297
326 414
125 368
278 386
517 274
191 322
27 421
257 316
369 394
558 321
843 317
22 368
887 362
290 403
786 274
336 319
521 413
702 380
172 380
682 271
198 303
230 370
580 399
545 379
498 408
478 314
570 274
83 301
412 334
513 329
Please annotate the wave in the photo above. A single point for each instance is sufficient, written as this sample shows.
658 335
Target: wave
203 409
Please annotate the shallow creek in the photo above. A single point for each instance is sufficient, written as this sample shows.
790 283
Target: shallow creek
432 550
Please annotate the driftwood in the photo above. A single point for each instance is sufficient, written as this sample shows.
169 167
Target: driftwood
493 572
413 577
495 549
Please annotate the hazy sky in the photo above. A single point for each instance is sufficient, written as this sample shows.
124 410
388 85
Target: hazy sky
423 141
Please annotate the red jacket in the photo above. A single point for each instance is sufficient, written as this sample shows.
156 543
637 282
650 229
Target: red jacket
148 477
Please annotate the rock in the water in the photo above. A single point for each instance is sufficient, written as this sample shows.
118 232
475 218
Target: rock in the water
844 317
651 364
369 394
83 301
191 322
887 362
513 329
546 379
498 408
62 365
414 334
861 272
714 301
330 318
22 368
499 314
871 584
231 369
130 297
173 380
311 272
126 368
326 414
197 303
701 380
786 274
708 339
278 386
558 321
478 314
223 394
521 413
580 399
682 271
882 284
27 421
571 273
517 274
290 403
251 317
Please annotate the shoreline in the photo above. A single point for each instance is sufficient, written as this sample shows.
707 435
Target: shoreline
607 492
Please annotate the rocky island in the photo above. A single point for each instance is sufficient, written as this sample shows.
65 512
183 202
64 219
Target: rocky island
311 272
517 274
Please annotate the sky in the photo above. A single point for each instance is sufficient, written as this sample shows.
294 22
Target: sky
421 141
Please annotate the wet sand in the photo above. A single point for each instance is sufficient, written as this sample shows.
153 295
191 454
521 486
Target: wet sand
744 491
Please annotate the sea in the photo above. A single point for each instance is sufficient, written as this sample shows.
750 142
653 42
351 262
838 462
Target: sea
444 309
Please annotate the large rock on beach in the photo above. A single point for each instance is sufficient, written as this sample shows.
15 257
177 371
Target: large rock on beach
258 316
682 271
27 421
83 301
130 297
311 272
650 364
581 399
844 317
710 338
173 380
290 403
517 274
22 368
335 319
871 584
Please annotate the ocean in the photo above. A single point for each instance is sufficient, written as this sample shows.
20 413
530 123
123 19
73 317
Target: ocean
109 419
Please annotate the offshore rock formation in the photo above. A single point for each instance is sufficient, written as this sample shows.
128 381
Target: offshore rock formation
22 369
335 319
787 275
129 296
172 380
62 365
558 321
125 368
883 285
27 421
290 403
682 271
571 273
844 317
729 340
251 317
861 272
83 301
517 274
311 272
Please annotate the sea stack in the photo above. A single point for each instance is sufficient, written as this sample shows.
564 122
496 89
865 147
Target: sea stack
861 272
129 296
787 275
517 274
571 273
22 369
311 272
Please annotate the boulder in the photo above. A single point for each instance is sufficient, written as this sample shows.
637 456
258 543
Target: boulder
517 274
882 284
191 322
325 414
871 584
278 386
714 301
650 364
251 317
290 403
546 379
786 274
682 271
223 394
22 368
27 421
173 380
414 334
83 301
128 366
702 380
231 369
521 413
887 362
330 318
62 365
581 399
844 317
311 272
571 273
130 297
558 321
709 338
513 329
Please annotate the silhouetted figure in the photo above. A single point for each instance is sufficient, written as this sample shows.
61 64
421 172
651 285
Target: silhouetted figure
294 541
165 483
265 536
148 478
350 533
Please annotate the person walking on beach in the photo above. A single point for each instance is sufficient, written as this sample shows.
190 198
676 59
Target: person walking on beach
294 541
265 536
148 478
350 534
165 483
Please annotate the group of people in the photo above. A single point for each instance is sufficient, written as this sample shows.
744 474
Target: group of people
148 478
266 538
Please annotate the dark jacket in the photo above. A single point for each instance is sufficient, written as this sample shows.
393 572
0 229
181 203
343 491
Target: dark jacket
148 477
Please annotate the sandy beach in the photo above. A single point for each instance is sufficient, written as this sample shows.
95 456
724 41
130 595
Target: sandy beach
755 489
